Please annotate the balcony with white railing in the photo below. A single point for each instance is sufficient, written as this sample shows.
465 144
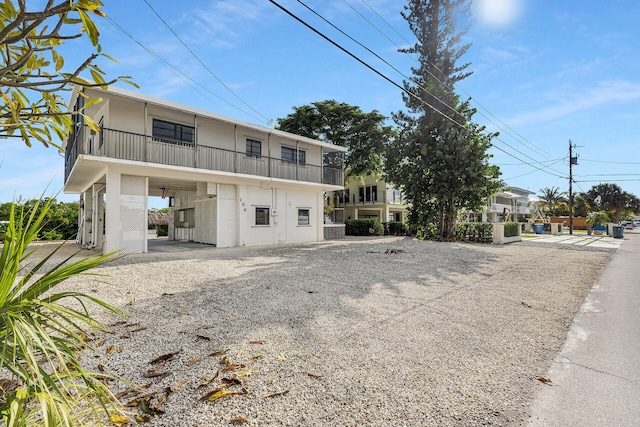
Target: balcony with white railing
500 207
117 144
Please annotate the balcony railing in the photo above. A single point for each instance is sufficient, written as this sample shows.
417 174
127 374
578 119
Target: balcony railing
131 146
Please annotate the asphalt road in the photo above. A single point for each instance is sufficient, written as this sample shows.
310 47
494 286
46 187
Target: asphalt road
596 376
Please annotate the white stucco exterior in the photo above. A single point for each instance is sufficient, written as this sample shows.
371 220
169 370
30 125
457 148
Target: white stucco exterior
232 183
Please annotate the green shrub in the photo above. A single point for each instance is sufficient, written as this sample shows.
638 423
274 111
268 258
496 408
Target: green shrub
363 227
51 235
510 229
474 232
397 228
163 230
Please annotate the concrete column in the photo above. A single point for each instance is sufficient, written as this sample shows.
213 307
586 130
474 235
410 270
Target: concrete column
87 216
319 218
112 219
146 214
355 213
98 216
242 214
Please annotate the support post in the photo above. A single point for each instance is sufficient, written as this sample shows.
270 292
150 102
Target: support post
572 161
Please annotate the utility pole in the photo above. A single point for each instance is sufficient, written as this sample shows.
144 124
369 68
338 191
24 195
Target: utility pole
572 161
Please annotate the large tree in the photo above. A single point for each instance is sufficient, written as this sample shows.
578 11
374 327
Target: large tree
34 75
440 156
363 134
612 199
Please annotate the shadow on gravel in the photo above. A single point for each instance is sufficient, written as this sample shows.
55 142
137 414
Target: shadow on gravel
395 330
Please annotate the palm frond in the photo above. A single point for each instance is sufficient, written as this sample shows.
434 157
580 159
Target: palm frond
41 332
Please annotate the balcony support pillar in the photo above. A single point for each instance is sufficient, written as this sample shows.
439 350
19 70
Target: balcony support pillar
195 141
146 131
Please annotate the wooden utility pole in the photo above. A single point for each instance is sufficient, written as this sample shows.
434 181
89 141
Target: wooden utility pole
572 161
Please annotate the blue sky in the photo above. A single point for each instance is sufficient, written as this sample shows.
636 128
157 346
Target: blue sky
544 72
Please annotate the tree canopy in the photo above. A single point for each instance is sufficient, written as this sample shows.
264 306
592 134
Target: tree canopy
612 199
439 157
33 74
363 134
59 222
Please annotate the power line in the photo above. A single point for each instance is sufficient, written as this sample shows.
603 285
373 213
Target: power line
394 83
183 76
406 91
600 180
552 162
524 140
611 174
203 64
530 172
612 162
383 20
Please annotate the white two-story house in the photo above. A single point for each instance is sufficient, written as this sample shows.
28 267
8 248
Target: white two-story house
370 197
511 203
228 182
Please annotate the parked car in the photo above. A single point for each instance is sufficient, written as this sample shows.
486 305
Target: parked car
627 224
636 222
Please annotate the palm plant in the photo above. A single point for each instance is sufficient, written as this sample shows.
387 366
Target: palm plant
551 196
40 337
597 218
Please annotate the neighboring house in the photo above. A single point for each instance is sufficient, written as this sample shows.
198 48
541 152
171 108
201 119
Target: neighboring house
373 198
229 183
512 201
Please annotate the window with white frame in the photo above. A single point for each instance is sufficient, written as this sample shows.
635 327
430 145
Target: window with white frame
303 216
262 216
254 148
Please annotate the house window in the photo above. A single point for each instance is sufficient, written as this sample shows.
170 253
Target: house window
368 193
254 148
303 216
262 216
173 132
288 154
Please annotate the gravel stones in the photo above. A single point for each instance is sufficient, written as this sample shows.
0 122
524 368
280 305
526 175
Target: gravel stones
343 333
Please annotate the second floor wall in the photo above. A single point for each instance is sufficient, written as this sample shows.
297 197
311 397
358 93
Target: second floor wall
133 128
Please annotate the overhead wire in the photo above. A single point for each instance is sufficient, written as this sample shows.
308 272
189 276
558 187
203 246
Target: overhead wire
203 64
601 180
530 172
542 161
608 161
524 140
560 174
180 74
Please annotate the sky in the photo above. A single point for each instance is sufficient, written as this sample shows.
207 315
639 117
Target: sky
545 72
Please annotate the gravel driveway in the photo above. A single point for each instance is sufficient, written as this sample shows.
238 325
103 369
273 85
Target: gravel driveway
341 333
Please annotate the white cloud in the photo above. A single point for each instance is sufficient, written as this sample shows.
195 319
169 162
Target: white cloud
608 92
221 23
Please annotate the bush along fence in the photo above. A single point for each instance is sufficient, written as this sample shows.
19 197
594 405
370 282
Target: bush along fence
395 228
363 227
474 232
497 233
